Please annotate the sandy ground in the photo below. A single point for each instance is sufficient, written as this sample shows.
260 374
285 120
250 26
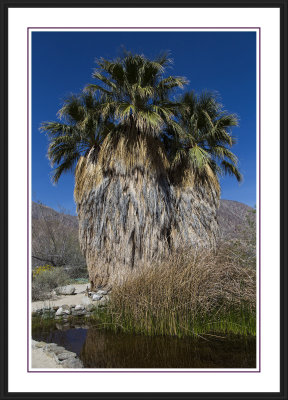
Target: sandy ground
77 298
42 360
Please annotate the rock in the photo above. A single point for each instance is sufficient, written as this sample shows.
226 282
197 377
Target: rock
79 307
66 290
102 292
50 346
55 308
63 310
103 301
59 350
51 354
72 363
79 313
66 355
96 297
38 344
90 307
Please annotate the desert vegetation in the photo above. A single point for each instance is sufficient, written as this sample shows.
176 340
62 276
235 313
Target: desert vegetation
55 239
56 256
148 163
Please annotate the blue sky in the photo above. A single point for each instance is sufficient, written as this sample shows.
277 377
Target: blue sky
224 62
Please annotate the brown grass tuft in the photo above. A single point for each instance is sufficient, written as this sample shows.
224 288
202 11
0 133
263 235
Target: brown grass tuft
188 293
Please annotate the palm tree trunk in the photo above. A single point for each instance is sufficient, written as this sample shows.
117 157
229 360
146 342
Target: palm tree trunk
124 210
195 222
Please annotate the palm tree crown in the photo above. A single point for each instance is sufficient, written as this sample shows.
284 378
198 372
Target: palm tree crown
132 99
202 145
135 92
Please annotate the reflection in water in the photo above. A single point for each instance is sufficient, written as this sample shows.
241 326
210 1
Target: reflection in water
103 349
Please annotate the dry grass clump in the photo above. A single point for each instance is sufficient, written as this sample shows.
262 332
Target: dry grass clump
190 293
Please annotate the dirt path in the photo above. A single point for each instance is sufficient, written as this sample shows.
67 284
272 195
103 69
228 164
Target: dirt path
77 298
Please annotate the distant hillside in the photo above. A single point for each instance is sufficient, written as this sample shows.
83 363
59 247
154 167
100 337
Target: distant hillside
40 210
232 217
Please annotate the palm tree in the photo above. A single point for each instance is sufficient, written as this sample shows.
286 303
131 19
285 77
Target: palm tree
200 153
80 129
122 189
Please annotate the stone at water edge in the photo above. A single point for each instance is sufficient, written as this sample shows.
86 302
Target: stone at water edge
38 344
66 290
53 347
79 307
63 310
66 355
72 363
104 301
90 307
96 297
79 312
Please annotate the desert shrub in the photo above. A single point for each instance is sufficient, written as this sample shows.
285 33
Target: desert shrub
55 238
190 293
45 279
41 269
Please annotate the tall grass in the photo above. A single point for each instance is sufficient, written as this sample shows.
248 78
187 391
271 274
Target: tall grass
190 293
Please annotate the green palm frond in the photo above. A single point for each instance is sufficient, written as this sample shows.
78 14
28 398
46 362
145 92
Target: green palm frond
55 128
222 153
205 135
92 88
198 158
230 169
84 128
68 164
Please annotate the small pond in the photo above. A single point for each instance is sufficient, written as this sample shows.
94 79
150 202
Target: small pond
98 348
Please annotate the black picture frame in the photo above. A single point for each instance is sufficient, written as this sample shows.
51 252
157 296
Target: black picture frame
283 7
